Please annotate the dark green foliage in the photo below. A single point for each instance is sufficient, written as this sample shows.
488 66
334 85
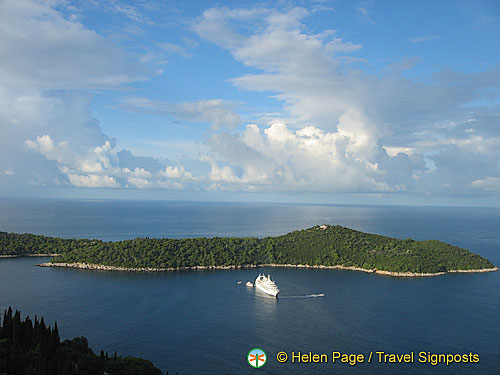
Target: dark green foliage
171 253
328 246
338 245
25 244
32 349
130 366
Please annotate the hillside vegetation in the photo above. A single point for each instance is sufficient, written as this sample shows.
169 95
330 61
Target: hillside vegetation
316 246
30 347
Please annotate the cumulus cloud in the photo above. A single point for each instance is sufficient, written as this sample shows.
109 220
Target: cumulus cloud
345 130
140 183
41 132
309 159
45 120
489 184
221 174
129 161
47 132
339 129
138 172
176 173
96 160
100 167
93 181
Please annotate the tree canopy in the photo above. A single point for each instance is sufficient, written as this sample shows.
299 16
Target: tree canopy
325 245
30 347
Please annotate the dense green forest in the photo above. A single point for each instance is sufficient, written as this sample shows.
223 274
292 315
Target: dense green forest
26 244
32 348
319 245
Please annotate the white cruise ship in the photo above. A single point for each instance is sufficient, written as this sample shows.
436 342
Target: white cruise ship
267 285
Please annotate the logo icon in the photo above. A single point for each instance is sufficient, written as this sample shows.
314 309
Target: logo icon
256 358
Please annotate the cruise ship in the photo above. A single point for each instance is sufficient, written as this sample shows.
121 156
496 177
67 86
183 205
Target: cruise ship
267 285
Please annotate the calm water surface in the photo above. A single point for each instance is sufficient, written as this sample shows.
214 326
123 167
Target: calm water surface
203 322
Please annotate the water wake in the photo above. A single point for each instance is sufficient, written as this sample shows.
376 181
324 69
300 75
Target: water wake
303 296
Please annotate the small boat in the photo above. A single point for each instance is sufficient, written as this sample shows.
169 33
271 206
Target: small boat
249 283
267 285
240 282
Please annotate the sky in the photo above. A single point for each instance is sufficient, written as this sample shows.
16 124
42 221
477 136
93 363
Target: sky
342 102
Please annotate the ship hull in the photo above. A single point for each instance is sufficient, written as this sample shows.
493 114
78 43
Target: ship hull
267 291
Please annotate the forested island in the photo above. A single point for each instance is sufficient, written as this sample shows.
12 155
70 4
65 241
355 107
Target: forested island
32 348
325 246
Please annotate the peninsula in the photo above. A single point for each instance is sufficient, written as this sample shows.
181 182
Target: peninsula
322 246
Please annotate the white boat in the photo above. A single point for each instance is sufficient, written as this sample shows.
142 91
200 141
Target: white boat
267 285
249 283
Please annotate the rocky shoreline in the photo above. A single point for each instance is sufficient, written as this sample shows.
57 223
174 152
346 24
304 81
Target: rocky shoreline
100 267
380 272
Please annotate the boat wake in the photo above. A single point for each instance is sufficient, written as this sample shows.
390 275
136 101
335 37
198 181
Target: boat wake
303 296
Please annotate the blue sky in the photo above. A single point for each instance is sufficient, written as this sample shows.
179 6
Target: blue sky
369 102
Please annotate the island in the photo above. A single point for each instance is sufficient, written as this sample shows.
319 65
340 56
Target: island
31 347
322 246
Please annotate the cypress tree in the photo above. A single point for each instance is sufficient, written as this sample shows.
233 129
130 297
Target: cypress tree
36 350
16 328
28 333
7 324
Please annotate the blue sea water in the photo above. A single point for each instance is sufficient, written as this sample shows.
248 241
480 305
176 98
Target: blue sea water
203 322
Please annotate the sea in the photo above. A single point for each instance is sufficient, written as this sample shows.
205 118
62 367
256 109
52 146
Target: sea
204 322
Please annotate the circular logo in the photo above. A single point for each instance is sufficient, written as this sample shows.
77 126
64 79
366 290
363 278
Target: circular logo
256 358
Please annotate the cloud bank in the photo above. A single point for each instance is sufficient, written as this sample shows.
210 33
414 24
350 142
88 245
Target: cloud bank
348 131
339 130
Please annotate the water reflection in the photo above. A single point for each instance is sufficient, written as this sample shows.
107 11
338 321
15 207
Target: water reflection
264 304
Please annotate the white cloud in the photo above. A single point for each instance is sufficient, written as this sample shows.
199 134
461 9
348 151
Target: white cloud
140 183
177 49
488 184
138 172
338 46
99 167
170 185
81 160
176 173
214 26
307 159
394 151
216 112
48 134
339 129
353 131
42 49
129 11
224 174
365 14
93 181
43 144
424 38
